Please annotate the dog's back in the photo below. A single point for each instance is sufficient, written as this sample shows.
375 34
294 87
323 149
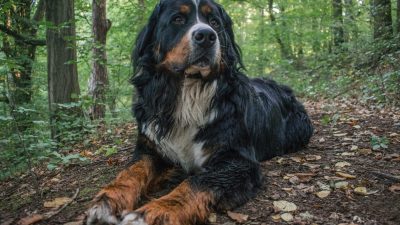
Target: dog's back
285 122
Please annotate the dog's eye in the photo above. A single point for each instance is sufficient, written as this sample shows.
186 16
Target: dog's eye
179 20
214 23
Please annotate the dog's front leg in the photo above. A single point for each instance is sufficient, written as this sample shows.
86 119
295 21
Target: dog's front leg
227 182
124 193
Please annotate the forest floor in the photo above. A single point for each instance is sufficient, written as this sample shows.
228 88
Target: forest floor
341 178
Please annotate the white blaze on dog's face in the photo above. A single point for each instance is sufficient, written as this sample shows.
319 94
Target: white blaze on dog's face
189 42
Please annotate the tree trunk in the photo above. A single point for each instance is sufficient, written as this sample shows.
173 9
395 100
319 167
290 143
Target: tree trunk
351 21
262 58
286 52
63 86
381 11
338 31
398 17
98 82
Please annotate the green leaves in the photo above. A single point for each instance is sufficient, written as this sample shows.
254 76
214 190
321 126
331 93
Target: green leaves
378 143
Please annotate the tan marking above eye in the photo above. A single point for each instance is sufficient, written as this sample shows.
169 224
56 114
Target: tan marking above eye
185 9
206 9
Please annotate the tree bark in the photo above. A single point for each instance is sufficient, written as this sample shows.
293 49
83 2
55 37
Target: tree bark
338 31
398 17
98 82
63 86
381 11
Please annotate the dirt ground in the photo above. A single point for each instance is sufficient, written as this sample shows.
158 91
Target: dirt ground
338 179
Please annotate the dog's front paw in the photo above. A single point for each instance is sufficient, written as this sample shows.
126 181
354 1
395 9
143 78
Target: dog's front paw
101 213
133 219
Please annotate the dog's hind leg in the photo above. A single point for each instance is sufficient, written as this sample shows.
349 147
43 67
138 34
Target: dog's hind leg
226 183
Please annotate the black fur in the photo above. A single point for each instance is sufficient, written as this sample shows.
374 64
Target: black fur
257 119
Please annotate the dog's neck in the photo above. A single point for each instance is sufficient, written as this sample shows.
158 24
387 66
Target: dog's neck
193 106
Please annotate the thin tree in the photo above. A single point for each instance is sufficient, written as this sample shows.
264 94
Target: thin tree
286 51
98 82
63 86
398 17
337 29
381 11
350 20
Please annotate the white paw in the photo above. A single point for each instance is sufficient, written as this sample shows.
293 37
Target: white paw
101 213
133 219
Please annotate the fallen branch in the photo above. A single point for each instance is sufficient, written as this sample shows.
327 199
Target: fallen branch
35 218
53 213
386 176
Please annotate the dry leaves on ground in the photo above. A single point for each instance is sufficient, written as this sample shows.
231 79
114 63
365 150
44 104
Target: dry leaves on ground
238 217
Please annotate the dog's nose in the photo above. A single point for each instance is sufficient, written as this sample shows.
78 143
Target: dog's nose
204 37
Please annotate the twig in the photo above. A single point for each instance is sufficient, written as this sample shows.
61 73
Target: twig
387 176
53 213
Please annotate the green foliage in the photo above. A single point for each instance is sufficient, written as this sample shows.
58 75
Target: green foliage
378 143
107 151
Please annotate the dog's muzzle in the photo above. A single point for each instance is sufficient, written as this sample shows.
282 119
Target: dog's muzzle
204 50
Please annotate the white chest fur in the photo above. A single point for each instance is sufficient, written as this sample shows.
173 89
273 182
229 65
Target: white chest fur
192 112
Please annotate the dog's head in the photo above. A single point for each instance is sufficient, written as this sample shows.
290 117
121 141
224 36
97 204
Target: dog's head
188 38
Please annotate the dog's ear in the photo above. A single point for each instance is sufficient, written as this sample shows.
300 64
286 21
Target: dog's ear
145 39
232 51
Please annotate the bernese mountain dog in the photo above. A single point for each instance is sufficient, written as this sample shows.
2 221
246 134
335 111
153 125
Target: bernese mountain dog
200 115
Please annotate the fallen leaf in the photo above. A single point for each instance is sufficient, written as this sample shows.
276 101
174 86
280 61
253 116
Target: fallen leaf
86 153
323 186
57 202
365 151
294 180
321 140
361 191
395 188
296 159
348 154
342 164
341 185
312 166
345 175
357 126
280 160
212 218
287 217
354 147
287 189
285 206
276 218
313 157
274 173
304 177
31 219
55 180
306 216
323 194
340 134
238 217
